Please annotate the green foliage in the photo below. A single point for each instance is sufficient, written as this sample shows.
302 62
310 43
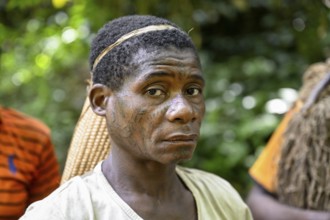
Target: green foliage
250 50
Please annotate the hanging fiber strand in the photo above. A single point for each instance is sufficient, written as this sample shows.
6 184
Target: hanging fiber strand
304 166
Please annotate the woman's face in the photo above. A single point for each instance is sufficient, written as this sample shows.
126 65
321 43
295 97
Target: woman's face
157 113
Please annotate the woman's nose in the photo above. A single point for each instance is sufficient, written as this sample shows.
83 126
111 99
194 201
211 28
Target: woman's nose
180 110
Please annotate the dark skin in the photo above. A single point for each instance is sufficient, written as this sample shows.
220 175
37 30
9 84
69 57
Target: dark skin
154 121
265 207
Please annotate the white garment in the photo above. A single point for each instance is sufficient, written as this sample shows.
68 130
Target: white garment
91 197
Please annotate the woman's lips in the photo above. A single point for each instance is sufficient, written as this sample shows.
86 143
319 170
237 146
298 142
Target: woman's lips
182 138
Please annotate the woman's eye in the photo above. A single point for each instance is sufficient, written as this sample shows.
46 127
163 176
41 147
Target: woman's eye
155 92
193 91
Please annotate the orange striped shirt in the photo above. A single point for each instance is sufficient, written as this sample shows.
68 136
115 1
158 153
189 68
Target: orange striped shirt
29 169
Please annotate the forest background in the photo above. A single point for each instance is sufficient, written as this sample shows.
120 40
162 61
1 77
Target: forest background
253 52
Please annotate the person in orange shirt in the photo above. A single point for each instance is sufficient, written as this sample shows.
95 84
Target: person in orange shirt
263 197
29 169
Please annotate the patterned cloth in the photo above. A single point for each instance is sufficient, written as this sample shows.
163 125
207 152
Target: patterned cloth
29 170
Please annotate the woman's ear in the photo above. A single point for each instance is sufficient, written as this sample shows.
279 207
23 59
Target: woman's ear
98 97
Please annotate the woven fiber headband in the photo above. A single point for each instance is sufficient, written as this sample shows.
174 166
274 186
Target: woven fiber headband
129 35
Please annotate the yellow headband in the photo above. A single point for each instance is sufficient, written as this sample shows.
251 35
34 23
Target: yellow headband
129 35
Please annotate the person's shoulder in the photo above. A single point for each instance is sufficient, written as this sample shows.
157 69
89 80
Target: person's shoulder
202 175
214 193
14 116
58 205
209 182
85 182
72 189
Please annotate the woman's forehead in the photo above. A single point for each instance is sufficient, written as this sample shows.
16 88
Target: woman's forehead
179 64
166 56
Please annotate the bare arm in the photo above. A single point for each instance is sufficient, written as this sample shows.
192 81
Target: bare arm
264 206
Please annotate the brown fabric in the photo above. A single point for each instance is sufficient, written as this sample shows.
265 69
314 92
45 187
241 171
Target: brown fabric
264 169
89 145
304 167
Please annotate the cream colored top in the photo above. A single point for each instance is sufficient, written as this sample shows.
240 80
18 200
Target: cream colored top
91 197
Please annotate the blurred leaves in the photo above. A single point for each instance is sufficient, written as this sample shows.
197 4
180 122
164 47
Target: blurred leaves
250 50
